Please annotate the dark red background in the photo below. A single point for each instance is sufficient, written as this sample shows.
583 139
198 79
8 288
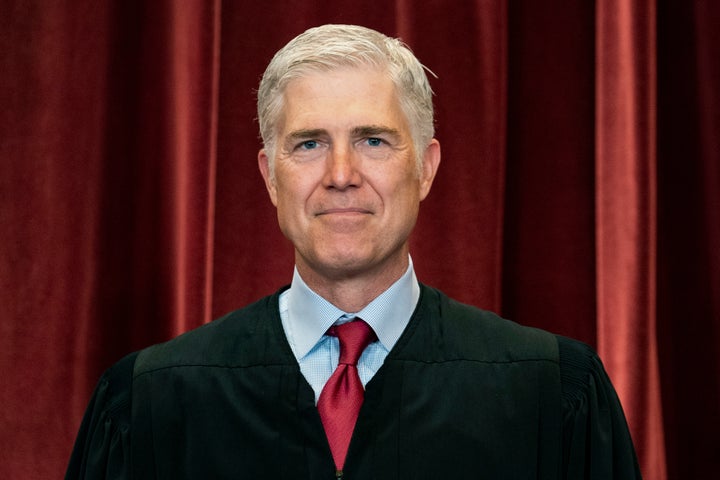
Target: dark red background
579 190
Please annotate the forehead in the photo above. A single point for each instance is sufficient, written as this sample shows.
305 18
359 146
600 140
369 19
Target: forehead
347 95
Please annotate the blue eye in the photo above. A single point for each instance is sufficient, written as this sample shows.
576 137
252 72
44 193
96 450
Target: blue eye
309 145
374 142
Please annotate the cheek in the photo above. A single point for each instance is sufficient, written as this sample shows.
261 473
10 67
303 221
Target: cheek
288 209
401 193
296 184
293 205
290 220
289 190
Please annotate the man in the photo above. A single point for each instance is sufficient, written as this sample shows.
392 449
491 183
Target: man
276 390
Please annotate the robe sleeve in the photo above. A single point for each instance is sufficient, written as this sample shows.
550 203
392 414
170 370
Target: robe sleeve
596 438
102 447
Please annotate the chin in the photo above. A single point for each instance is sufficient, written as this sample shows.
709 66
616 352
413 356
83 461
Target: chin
347 262
341 264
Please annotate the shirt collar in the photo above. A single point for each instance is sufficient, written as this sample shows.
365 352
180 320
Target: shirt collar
310 315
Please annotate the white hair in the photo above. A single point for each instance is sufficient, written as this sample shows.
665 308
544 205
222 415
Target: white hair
330 47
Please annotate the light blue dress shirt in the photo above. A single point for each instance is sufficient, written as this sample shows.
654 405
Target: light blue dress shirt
306 317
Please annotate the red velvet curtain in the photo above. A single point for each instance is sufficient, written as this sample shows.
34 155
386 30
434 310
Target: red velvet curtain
579 190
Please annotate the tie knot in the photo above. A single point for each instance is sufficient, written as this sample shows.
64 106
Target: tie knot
354 337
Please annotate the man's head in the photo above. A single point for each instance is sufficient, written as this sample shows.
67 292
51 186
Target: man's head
330 47
341 160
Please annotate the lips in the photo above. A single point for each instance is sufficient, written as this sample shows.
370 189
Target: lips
344 211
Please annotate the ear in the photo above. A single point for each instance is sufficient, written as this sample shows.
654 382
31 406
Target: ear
264 165
430 164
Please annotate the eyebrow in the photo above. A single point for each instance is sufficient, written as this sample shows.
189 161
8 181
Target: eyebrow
361 131
371 130
306 133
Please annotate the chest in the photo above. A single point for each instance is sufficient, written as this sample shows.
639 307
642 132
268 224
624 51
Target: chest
419 420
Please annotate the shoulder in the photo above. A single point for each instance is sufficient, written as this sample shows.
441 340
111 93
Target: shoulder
595 432
588 394
235 339
582 373
479 333
485 336
112 393
105 426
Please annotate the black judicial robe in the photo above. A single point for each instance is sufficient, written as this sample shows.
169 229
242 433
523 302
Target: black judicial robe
463 394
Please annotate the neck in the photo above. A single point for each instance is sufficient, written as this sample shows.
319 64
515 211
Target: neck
351 292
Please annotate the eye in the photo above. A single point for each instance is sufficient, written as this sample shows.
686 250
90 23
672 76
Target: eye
374 142
309 144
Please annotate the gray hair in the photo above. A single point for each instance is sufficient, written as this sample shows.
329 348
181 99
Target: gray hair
334 46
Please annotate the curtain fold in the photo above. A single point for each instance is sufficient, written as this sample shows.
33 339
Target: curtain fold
193 42
689 233
626 217
176 123
53 59
549 240
579 191
471 128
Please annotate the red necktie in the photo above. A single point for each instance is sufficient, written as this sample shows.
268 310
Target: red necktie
342 396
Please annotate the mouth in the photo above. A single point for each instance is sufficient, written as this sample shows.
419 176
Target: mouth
344 211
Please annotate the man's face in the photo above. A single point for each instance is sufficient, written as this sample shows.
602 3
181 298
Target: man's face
346 183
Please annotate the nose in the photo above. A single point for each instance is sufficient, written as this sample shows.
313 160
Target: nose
342 169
